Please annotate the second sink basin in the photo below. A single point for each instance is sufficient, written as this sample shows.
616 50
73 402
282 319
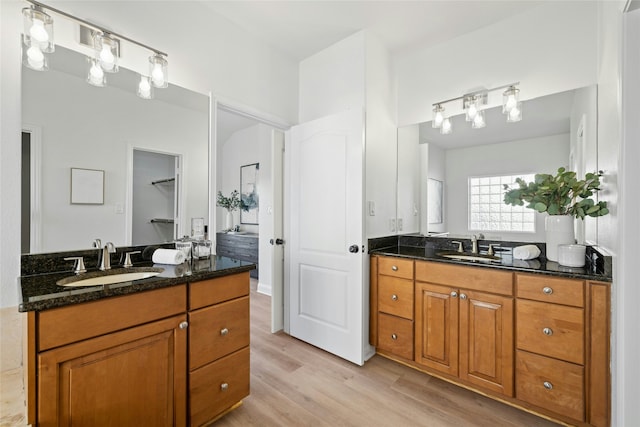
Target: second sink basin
468 257
109 277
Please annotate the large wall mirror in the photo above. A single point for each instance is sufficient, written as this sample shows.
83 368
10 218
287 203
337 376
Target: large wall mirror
154 154
556 130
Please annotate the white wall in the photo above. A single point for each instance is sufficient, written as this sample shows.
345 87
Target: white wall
536 155
355 73
87 134
237 66
548 49
626 346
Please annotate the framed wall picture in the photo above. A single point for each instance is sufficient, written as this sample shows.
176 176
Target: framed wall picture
87 186
249 193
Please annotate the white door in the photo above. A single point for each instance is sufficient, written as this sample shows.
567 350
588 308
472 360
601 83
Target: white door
326 234
277 240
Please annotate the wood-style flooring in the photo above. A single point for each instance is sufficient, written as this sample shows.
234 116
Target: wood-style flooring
296 384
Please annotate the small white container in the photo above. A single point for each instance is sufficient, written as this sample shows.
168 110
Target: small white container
571 255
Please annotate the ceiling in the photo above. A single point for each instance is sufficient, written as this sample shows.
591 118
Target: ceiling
302 28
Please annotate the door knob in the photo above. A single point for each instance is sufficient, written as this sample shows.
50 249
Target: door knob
354 249
276 242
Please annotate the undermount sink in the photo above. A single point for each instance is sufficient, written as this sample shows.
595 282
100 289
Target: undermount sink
109 277
468 257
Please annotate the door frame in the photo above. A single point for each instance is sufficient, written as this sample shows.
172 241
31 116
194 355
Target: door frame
219 102
179 201
35 216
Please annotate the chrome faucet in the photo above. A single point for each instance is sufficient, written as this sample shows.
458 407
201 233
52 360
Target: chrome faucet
104 256
474 244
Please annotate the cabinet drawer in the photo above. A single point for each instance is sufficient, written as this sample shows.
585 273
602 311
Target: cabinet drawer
551 330
550 289
218 386
213 291
395 296
474 278
397 267
217 331
550 384
395 335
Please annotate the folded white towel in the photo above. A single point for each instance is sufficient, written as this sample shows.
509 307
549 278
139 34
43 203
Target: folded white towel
168 256
526 252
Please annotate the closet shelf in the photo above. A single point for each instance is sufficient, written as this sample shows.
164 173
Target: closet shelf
162 181
161 221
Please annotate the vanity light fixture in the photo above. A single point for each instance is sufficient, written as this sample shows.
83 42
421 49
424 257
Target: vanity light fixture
38 40
472 104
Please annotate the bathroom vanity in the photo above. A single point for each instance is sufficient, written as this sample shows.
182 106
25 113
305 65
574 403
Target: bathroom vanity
171 350
534 335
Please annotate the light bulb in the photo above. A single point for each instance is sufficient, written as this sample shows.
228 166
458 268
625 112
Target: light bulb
35 58
472 111
144 88
157 75
438 117
515 115
38 32
96 75
445 129
510 104
107 60
478 120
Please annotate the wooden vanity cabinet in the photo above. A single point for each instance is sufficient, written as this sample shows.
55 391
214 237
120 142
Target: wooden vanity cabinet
464 332
218 346
118 361
128 360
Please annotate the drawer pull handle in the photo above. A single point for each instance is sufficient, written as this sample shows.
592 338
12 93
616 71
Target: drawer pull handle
463 296
224 331
224 387
394 297
547 331
547 385
394 268
454 294
183 325
394 337
547 290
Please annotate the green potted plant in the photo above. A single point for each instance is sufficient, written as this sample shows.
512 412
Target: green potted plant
231 204
564 197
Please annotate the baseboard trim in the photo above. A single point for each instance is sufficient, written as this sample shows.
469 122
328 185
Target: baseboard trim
264 288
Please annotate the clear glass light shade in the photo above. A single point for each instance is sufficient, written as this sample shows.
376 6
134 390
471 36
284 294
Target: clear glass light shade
96 76
158 71
510 99
470 108
515 115
145 89
38 30
446 127
438 117
106 52
478 120
34 58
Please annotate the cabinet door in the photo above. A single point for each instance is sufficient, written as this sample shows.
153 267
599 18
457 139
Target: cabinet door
486 341
437 327
133 377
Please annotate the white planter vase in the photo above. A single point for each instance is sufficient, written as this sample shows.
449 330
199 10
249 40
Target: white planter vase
229 220
559 231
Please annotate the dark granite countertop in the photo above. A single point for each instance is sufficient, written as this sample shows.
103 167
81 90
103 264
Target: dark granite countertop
40 291
428 249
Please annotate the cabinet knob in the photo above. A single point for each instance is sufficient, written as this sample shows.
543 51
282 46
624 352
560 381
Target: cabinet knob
183 325
224 387
224 331
547 331
547 290
547 385
394 267
454 294
394 297
463 296
394 337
